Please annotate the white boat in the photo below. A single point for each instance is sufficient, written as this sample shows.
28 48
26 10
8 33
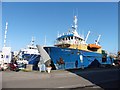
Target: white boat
31 54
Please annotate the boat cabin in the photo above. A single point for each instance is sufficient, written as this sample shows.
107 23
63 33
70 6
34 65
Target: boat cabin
68 39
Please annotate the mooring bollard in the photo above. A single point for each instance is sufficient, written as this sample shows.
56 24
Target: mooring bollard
49 69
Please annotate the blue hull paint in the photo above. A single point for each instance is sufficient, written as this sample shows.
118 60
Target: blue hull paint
32 59
70 56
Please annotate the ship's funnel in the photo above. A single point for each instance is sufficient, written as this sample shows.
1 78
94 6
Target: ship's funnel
45 57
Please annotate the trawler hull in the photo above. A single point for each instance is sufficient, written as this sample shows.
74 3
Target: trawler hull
32 59
74 58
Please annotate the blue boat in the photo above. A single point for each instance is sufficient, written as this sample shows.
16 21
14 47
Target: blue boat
31 54
71 51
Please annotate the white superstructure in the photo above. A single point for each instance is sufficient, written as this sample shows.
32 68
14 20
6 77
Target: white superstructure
6 54
31 49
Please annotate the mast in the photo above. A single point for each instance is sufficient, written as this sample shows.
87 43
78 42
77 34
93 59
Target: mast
97 40
6 28
87 36
32 41
75 22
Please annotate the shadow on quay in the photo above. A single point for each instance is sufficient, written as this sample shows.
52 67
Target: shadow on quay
104 78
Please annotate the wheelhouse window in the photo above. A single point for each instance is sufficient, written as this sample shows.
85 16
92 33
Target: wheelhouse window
58 39
71 37
68 38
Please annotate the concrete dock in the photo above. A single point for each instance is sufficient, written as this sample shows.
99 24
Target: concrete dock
75 79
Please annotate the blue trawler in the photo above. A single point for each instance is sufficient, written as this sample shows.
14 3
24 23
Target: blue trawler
71 51
31 54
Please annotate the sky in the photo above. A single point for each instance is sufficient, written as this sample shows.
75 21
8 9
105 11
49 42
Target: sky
45 19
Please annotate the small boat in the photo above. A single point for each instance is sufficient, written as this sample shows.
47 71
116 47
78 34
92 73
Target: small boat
94 46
